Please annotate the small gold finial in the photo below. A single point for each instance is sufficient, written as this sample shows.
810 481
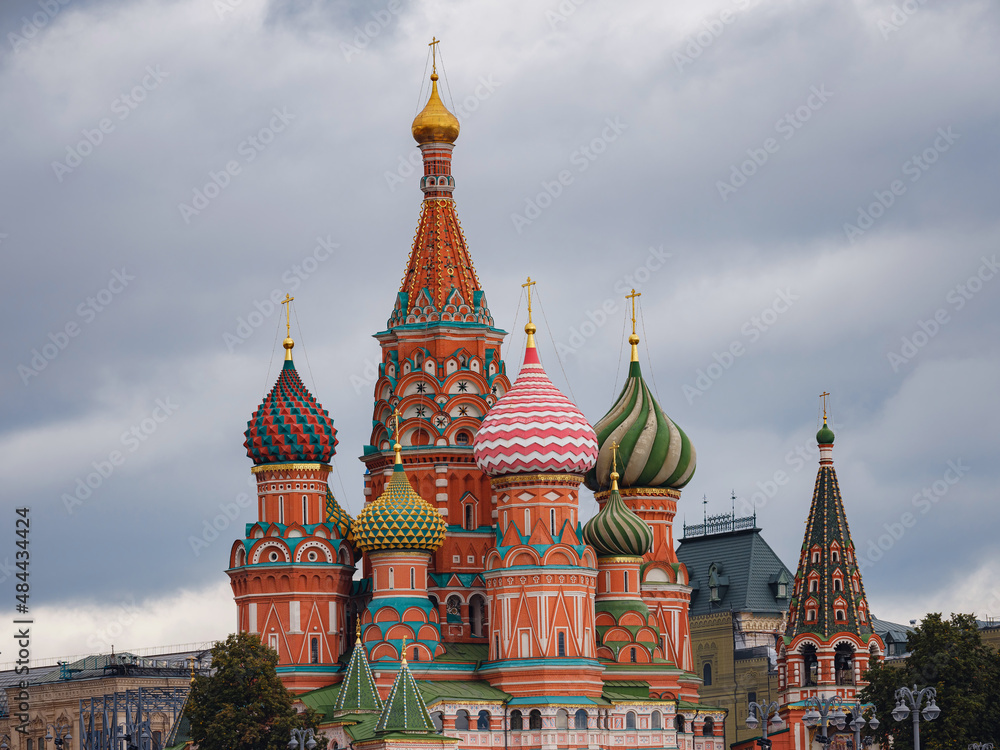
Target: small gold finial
288 343
634 339
395 433
402 660
529 327
614 465
824 395
357 639
434 65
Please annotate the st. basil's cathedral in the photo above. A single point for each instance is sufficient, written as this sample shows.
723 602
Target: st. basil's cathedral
468 604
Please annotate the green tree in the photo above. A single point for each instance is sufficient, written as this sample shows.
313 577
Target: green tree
950 656
243 705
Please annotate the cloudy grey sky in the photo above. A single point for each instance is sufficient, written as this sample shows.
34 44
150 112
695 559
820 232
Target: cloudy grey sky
805 193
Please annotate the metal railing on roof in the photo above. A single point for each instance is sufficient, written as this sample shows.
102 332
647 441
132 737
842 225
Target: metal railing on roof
723 523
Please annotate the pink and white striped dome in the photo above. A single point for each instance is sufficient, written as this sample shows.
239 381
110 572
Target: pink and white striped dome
534 428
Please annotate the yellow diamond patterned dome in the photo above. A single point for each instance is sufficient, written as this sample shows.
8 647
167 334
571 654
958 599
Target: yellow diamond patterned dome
399 519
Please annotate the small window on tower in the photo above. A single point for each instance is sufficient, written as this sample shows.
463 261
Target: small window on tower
314 650
632 655
562 644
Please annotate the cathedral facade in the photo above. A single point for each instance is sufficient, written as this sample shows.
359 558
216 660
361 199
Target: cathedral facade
468 602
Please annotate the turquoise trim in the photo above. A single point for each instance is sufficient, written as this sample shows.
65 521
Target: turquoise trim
572 700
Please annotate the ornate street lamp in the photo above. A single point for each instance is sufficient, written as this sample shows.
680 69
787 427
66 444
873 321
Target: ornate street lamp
908 701
821 712
303 738
764 711
973 746
59 734
857 710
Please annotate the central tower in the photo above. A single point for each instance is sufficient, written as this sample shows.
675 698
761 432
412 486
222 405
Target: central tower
441 369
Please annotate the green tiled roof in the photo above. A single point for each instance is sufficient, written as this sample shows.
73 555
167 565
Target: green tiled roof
464 652
357 692
460 690
746 560
405 710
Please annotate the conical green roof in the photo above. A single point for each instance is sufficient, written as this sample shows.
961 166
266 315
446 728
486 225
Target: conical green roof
652 451
617 531
405 710
357 692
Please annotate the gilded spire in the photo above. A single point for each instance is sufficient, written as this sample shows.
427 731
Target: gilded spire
529 327
825 435
435 124
614 466
634 339
397 447
288 343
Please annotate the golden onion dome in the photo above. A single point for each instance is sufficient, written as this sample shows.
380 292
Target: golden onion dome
399 519
435 124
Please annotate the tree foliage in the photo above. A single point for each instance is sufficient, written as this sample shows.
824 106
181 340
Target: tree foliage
243 705
950 656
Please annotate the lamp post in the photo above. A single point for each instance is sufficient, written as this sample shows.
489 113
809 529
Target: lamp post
824 711
908 701
973 746
857 710
765 711
302 738
59 734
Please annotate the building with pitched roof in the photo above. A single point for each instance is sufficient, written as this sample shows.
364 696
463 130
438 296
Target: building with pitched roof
739 603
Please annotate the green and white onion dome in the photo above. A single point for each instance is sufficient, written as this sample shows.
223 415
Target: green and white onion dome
616 531
653 451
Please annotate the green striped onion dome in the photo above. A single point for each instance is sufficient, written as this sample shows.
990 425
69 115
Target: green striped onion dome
337 515
616 531
399 519
652 451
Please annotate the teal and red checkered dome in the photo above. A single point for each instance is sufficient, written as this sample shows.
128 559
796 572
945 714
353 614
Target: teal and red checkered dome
290 425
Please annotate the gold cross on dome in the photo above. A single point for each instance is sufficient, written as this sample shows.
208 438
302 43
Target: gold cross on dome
614 456
403 658
825 395
433 45
288 314
632 297
395 419
529 283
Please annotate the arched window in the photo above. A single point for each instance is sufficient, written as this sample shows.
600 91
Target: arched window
392 578
516 720
462 720
810 665
679 722
468 518
314 650
843 664
838 585
562 719
483 722
477 616
438 718
630 720
281 508
580 719
305 509
535 719
813 586
656 720
552 521
626 580
709 728
413 578
632 655
706 674
841 617
562 644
